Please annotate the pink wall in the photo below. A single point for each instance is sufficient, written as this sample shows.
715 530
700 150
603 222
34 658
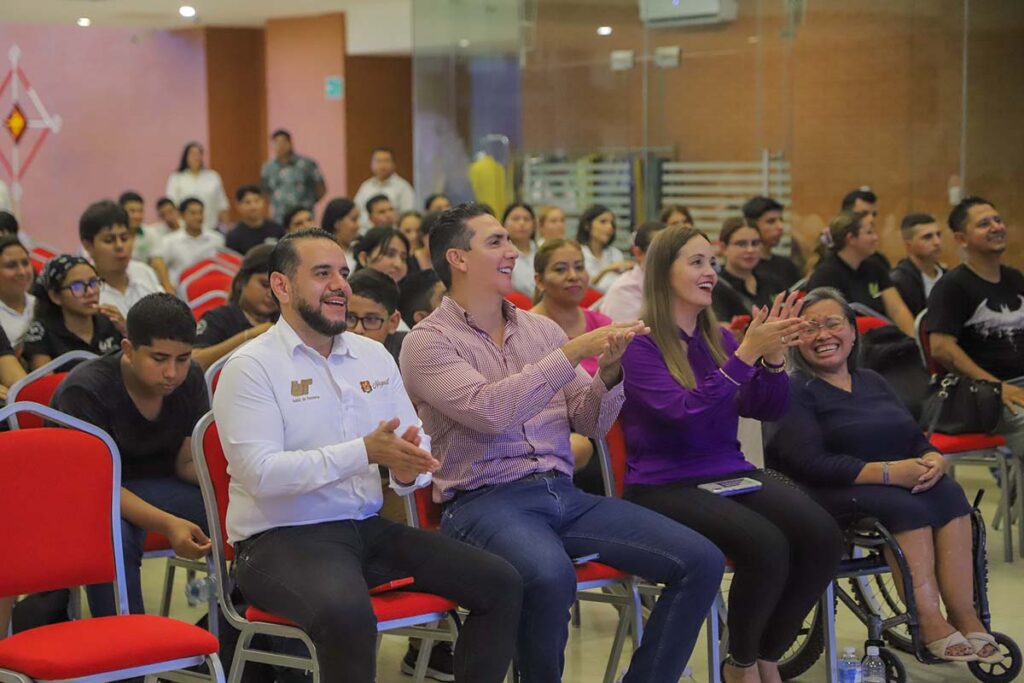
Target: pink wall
299 54
128 99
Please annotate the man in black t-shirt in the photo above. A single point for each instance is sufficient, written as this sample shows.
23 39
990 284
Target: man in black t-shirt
915 275
765 214
254 228
976 312
859 278
148 397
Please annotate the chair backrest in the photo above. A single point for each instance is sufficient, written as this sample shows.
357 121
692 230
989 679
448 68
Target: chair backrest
924 345
39 386
611 452
213 281
207 302
520 300
59 483
195 268
869 322
590 297
421 511
230 258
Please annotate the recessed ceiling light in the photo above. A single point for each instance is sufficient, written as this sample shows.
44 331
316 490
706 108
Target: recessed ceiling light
84 22
464 43
604 30
187 11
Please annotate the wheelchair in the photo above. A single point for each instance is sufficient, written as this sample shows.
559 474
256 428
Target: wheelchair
866 584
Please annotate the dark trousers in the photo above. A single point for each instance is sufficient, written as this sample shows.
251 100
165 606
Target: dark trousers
318 576
541 521
784 548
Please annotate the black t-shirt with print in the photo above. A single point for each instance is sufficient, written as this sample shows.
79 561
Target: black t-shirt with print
863 285
95 392
986 318
50 337
242 238
220 324
731 298
5 344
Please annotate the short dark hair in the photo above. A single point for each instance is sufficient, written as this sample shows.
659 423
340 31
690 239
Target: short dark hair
429 222
376 199
645 233
160 316
376 286
378 237
588 217
862 193
432 197
755 207
8 240
284 258
336 209
383 149
846 224
292 212
8 223
911 221
281 132
415 293
130 196
164 200
256 262
731 225
100 215
451 232
670 209
189 201
244 190
958 216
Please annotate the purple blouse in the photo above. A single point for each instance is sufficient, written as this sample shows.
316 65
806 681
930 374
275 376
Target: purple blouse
674 433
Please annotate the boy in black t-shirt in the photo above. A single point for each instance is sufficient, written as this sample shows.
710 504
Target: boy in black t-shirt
976 312
148 397
254 228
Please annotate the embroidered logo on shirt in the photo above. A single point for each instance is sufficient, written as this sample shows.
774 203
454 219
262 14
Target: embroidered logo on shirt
874 290
301 387
366 386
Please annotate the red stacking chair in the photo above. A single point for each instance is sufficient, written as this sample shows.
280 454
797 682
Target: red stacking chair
987 450
200 265
229 258
398 612
521 300
208 301
38 387
589 297
82 503
209 278
423 513
866 323
39 254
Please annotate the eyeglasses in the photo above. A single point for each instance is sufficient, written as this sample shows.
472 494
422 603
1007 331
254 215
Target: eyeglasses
371 323
78 288
832 323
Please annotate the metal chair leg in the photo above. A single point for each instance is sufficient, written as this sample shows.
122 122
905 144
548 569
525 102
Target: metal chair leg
714 635
165 601
828 613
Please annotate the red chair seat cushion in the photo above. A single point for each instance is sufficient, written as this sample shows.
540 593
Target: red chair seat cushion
596 571
386 607
93 646
959 443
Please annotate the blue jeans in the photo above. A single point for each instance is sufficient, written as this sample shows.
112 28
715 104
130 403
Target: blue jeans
170 494
539 522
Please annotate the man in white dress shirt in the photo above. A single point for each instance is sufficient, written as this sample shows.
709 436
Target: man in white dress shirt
185 248
306 413
386 182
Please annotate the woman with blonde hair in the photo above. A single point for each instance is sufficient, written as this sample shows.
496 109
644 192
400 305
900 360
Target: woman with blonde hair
686 386
550 224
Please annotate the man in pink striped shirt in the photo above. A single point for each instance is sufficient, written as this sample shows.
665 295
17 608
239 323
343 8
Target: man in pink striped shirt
499 390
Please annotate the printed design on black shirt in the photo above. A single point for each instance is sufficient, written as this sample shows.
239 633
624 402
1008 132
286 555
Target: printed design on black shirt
201 326
35 332
108 345
874 290
1005 323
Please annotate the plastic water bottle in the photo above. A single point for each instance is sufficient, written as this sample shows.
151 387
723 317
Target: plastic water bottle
849 667
198 591
873 667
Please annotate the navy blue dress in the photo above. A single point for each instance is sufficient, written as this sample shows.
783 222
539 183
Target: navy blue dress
828 436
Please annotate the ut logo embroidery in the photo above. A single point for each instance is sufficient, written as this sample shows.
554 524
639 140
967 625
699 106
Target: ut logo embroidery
301 387
366 386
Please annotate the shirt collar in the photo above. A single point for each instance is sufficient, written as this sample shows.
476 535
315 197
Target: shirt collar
456 312
23 314
287 334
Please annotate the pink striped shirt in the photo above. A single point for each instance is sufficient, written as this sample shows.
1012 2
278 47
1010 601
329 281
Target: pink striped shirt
496 414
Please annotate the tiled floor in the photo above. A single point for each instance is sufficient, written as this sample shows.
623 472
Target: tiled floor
589 645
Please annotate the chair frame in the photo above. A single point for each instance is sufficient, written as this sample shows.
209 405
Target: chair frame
48 368
415 626
120 592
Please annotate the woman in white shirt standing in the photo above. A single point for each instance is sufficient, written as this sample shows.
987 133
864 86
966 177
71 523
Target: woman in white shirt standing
193 179
596 233
519 221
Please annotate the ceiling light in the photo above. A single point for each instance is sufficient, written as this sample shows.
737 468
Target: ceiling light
604 30
187 11
84 22
464 43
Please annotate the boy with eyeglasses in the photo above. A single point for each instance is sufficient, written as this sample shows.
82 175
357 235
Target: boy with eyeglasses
373 309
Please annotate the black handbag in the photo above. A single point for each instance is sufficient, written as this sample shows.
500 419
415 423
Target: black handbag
958 405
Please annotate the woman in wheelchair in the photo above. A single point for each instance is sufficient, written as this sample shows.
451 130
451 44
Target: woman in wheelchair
686 386
851 442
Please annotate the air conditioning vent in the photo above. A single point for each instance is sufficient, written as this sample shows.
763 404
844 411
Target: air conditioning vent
659 13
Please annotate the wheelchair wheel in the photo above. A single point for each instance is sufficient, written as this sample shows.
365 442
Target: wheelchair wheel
1001 672
877 595
895 672
807 647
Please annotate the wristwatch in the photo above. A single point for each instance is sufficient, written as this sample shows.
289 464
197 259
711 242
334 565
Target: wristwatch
885 473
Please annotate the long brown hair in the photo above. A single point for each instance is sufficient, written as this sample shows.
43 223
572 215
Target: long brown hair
658 306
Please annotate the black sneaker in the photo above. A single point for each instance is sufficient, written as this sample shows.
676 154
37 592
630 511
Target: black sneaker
440 667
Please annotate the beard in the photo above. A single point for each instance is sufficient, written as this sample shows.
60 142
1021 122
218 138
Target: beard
318 322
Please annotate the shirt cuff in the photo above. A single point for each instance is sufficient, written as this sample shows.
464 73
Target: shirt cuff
738 371
557 369
422 479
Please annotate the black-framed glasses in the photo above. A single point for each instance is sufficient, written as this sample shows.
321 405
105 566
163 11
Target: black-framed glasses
371 323
78 288
832 323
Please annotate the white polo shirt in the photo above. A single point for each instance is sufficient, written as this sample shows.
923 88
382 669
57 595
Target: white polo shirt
179 250
15 324
292 425
142 280
397 189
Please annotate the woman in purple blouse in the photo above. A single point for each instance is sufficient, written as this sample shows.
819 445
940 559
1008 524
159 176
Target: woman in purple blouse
686 386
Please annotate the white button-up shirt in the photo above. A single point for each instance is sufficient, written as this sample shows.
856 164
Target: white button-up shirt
142 280
180 250
397 189
292 425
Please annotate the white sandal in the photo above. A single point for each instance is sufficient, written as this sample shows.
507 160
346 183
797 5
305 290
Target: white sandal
979 640
939 647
